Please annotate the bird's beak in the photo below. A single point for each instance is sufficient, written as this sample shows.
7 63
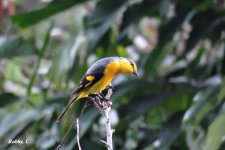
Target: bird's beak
135 73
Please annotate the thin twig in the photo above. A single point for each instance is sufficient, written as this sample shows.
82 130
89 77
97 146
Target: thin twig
78 134
103 104
104 142
109 130
60 145
77 125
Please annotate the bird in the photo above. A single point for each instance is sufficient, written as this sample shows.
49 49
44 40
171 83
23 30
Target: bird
99 75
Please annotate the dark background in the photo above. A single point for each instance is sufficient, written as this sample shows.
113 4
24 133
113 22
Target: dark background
176 104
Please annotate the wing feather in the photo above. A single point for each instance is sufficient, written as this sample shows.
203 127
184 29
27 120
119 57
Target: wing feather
88 81
94 74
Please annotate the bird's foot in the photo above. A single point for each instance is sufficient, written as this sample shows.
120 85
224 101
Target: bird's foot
96 99
102 101
97 102
106 103
103 97
93 95
109 87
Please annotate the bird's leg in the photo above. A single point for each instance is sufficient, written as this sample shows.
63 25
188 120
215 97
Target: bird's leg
98 97
110 86
104 98
101 95
98 104
92 95
100 100
93 100
96 100
106 102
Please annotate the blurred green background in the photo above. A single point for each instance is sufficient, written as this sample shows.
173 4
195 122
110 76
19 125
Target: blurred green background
177 103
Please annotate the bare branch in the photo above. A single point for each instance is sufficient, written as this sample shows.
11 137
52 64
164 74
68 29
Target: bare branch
104 142
77 126
103 104
109 130
60 145
78 134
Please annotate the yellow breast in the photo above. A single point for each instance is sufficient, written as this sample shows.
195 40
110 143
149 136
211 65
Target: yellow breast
110 72
99 86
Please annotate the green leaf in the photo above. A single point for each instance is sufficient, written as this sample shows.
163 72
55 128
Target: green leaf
26 19
49 138
216 132
135 12
150 95
40 57
12 120
142 104
15 47
203 26
198 57
223 61
142 86
13 72
162 137
221 94
7 98
101 20
205 5
166 32
170 131
201 99
182 6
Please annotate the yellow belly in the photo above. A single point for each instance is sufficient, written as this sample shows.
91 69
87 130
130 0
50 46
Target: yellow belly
100 85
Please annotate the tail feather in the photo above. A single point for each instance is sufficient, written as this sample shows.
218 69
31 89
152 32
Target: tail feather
67 108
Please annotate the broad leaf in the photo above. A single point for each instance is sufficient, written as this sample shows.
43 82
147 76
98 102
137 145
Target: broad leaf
203 26
101 20
201 99
15 47
12 120
26 19
135 12
7 98
166 32
216 132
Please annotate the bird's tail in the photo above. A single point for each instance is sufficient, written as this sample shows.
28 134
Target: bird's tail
67 107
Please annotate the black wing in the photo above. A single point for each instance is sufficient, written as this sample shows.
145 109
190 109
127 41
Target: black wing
87 81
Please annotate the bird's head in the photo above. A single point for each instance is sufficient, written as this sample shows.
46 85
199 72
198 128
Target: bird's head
128 66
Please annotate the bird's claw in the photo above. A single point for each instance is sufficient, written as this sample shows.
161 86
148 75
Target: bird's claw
101 101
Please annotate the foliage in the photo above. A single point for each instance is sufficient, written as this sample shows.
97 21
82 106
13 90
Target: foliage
177 103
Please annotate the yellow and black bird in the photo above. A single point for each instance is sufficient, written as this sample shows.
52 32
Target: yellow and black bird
99 75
